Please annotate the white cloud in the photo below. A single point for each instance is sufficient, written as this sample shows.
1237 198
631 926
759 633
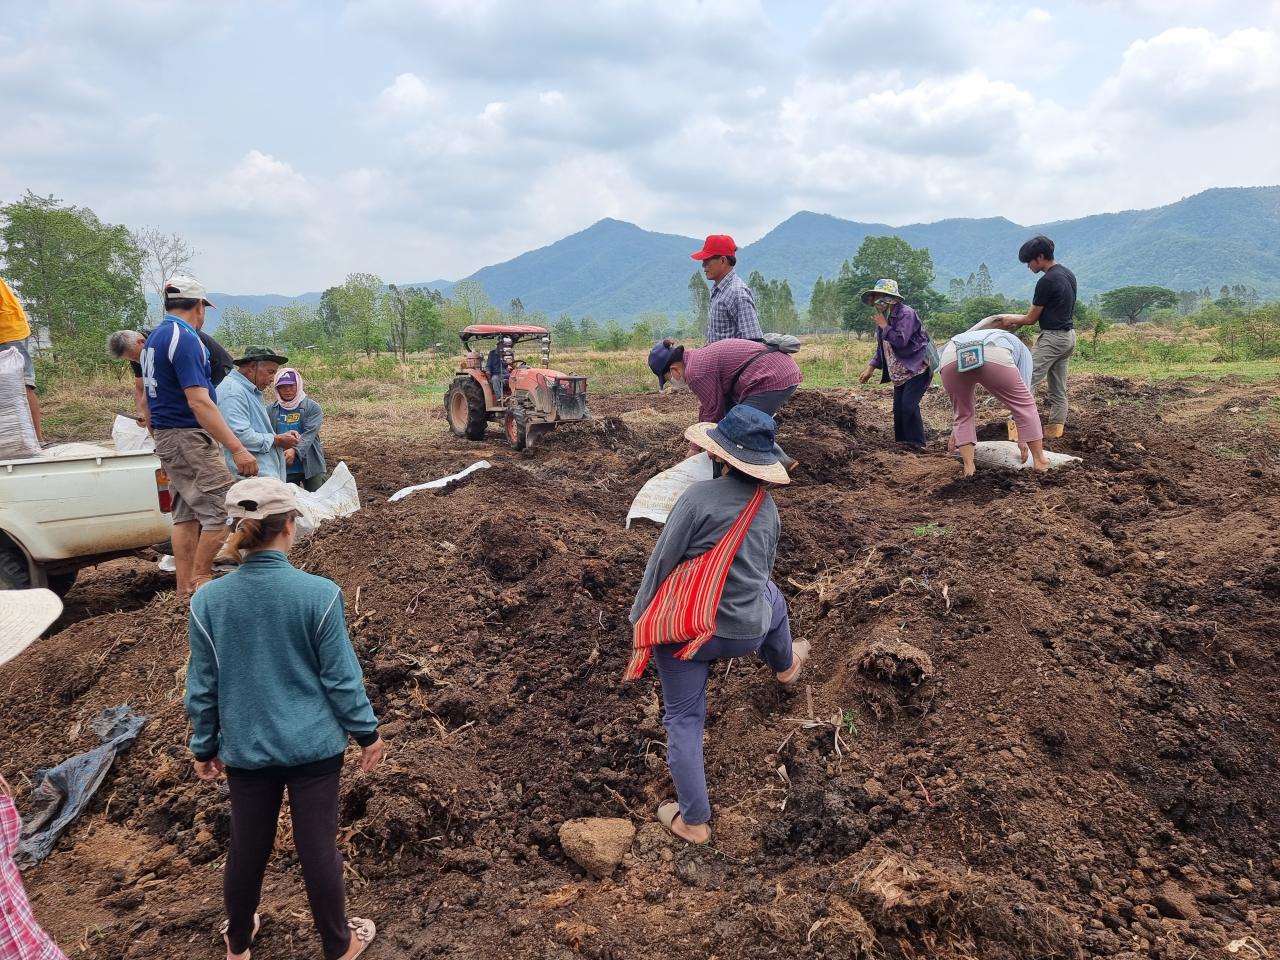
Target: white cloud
1190 76
408 94
262 184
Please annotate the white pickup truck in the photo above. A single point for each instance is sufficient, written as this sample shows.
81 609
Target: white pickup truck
75 505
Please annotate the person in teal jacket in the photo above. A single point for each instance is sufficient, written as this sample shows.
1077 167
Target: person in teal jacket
241 404
274 693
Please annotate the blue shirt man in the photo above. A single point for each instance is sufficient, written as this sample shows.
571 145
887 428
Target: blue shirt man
172 360
241 404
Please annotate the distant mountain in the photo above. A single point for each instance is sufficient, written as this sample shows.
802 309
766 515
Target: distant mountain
615 269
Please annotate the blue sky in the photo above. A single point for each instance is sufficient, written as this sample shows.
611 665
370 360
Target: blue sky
293 142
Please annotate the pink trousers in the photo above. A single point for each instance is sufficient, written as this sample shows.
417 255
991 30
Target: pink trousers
1005 385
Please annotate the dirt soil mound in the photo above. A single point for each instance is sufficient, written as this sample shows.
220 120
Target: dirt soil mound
1041 717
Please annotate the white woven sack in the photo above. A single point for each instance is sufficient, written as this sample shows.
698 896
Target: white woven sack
17 432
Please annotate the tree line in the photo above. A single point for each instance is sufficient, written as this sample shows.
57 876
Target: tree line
81 278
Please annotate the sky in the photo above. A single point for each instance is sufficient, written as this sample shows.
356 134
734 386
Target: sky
292 142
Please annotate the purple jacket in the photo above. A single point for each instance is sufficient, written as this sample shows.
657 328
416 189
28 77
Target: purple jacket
906 335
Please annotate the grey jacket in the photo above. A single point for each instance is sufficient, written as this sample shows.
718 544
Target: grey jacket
702 515
310 453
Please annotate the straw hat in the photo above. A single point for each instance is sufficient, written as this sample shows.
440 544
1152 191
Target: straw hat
743 438
24 616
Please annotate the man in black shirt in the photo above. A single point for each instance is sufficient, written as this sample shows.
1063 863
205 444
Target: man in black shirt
1052 306
127 345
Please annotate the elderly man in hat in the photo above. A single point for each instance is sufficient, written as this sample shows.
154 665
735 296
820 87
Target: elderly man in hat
733 308
240 398
902 357
188 428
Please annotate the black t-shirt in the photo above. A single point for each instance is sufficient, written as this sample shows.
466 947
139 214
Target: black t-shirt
220 360
1056 292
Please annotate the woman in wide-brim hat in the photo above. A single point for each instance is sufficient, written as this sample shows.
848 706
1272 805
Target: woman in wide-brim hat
717 547
902 348
24 616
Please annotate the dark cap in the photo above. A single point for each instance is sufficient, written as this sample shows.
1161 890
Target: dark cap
252 354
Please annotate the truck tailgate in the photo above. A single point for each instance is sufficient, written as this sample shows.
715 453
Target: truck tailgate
94 502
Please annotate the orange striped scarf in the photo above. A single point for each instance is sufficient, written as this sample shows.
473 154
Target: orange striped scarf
684 608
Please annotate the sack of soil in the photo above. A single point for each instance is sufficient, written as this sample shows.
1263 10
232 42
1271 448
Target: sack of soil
127 435
1003 454
336 498
17 432
659 494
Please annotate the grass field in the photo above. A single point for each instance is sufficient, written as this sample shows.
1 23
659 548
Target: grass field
357 386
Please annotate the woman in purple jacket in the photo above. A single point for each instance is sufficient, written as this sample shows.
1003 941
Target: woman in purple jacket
901 356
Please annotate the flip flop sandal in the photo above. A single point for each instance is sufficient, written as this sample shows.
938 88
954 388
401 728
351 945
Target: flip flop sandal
362 934
799 654
226 924
667 813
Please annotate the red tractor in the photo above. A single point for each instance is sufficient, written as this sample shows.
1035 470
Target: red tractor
494 385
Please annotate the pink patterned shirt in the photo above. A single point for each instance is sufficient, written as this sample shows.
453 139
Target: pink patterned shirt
20 936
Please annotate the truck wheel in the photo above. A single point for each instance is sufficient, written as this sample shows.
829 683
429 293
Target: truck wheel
14 574
464 408
515 430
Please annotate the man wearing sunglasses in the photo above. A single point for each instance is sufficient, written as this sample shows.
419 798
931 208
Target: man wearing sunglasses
733 308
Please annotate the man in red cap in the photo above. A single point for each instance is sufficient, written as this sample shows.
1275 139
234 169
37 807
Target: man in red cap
733 308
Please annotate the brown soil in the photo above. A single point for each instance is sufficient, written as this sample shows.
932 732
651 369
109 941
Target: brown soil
1040 719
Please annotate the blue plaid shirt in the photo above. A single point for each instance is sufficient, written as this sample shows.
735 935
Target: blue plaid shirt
733 311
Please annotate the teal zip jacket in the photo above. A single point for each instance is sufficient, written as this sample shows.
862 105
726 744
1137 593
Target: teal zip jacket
273 680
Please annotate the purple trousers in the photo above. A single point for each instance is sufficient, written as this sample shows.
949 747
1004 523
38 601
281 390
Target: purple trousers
684 700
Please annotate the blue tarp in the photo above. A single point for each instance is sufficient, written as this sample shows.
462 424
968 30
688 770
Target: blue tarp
61 794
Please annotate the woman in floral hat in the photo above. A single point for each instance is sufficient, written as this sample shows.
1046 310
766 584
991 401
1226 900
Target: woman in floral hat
902 348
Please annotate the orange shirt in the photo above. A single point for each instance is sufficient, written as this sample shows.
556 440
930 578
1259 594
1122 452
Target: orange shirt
13 319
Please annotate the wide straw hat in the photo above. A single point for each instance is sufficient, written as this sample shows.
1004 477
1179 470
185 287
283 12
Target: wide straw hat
744 438
24 616
883 288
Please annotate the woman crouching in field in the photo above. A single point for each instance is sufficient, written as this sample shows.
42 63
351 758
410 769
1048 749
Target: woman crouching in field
274 690
707 595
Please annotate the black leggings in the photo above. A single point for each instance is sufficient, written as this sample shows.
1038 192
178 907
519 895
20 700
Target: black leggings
255 811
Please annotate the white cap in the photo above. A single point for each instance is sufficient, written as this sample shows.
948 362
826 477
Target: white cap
24 615
183 287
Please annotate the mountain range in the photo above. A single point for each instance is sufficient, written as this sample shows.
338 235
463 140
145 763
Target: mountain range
615 269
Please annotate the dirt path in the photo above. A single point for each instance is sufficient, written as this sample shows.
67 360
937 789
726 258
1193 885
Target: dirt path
1057 698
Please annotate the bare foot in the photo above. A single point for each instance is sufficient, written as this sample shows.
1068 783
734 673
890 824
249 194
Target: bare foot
1042 464
968 472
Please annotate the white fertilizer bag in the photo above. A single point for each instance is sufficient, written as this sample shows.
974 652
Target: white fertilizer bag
1003 454
337 498
17 432
442 482
128 436
659 494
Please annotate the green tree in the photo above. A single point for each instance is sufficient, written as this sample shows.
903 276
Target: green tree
614 338
79 278
329 316
1128 303
881 257
956 291
469 294
363 320
642 334
699 303
301 327
1092 322
824 306
426 324
982 285
396 308
564 331
588 331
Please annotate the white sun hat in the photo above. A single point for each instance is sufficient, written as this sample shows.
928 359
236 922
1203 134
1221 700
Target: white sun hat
24 616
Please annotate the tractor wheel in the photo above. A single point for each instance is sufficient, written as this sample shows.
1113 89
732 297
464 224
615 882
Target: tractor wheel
515 430
464 408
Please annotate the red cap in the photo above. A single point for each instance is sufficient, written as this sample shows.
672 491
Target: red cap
716 245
